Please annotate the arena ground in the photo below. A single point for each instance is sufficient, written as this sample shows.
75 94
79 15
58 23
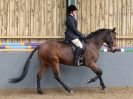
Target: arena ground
80 93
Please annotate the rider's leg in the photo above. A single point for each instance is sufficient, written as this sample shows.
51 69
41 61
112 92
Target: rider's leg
77 43
78 52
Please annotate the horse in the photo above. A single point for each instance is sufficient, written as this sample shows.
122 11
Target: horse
53 53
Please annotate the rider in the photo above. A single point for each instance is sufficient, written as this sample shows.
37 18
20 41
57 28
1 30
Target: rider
72 34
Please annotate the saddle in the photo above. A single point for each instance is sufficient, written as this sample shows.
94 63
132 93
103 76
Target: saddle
74 48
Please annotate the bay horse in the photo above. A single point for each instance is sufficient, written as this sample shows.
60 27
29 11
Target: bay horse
54 53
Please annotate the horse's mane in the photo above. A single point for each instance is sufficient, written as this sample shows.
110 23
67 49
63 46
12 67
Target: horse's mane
97 32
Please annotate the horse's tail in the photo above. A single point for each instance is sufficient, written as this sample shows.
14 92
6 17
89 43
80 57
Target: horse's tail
25 69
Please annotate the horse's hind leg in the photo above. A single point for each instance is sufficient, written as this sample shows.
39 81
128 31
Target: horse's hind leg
40 74
56 71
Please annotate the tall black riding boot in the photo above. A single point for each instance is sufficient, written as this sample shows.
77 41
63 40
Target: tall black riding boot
78 53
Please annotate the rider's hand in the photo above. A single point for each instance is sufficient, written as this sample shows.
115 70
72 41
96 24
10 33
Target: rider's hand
82 38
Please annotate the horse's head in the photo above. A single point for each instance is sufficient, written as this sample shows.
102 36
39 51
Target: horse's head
103 35
110 38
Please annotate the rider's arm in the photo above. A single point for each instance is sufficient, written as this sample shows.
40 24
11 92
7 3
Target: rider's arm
73 27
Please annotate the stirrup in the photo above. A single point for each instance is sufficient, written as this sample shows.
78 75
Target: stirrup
77 63
80 62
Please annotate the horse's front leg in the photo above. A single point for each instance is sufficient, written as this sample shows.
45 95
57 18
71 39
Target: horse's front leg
98 72
102 83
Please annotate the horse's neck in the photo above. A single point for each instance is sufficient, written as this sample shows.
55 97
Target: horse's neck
97 41
97 44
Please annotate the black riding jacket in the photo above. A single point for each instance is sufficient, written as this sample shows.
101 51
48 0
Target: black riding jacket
72 32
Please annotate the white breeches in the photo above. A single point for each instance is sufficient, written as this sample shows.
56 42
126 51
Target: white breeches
78 43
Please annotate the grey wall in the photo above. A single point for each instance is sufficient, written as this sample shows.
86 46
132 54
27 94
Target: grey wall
117 71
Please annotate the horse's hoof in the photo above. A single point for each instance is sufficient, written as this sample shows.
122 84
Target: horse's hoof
40 92
104 90
70 91
90 81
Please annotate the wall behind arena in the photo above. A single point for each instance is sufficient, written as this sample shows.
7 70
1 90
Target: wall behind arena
117 71
95 14
39 20
31 20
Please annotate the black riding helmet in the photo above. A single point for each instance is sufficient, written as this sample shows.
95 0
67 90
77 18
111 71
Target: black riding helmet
71 8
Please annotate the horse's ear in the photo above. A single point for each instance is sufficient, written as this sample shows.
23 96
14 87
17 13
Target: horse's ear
114 29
